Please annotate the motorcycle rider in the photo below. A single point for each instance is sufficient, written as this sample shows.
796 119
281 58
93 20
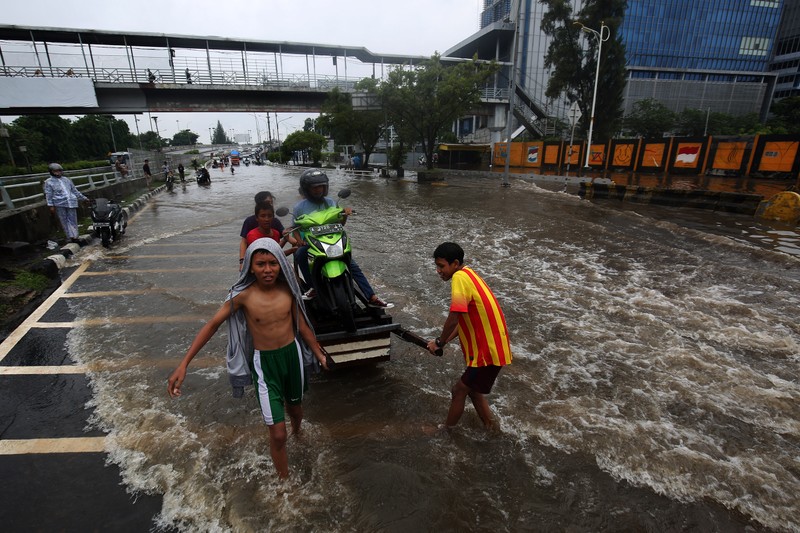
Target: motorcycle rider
314 189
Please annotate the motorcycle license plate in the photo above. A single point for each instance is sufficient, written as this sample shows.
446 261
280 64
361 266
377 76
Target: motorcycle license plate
326 229
102 225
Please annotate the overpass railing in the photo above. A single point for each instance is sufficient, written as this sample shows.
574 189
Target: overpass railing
266 80
199 77
23 191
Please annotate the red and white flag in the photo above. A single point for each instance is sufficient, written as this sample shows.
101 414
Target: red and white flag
687 154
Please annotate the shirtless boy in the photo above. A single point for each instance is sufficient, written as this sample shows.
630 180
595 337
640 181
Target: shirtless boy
271 306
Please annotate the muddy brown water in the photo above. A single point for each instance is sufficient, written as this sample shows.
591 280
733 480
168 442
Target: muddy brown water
654 383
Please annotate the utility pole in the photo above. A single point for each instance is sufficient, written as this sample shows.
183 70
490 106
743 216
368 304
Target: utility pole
158 135
511 95
111 128
4 134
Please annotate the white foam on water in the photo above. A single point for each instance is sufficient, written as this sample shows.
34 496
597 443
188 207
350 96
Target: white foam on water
667 354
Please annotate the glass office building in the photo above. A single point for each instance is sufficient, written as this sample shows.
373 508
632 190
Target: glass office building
702 54
712 54
786 57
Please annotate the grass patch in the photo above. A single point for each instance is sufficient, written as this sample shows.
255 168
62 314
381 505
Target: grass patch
28 281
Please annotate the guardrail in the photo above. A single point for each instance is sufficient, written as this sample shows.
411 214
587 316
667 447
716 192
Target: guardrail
23 191
267 80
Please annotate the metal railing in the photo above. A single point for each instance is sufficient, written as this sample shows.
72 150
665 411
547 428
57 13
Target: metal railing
196 77
24 191
162 77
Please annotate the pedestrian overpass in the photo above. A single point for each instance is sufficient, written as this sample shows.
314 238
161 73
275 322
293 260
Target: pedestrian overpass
71 71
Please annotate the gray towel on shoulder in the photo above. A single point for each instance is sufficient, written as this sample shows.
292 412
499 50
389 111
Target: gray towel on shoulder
240 342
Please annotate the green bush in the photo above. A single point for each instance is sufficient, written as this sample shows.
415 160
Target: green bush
41 168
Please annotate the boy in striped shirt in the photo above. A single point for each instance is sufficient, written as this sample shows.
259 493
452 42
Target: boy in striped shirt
475 316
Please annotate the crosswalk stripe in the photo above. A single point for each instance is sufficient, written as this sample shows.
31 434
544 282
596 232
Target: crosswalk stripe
90 322
41 370
66 445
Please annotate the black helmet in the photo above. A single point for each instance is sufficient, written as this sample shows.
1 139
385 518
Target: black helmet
311 178
52 167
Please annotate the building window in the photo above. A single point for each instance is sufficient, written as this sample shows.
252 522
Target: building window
765 3
754 46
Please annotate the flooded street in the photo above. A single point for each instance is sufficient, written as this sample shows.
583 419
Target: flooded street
654 383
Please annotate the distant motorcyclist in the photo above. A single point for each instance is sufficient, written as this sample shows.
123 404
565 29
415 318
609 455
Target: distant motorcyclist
314 188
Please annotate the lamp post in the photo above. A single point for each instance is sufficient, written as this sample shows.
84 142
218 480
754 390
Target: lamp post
138 135
602 36
111 129
211 135
24 150
158 135
277 129
511 95
258 131
4 134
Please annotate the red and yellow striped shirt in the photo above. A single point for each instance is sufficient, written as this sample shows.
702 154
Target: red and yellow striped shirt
481 325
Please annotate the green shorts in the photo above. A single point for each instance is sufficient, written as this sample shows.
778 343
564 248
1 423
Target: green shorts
279 378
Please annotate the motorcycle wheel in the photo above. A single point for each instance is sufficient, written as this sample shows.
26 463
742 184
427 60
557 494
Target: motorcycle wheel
344 307
105 236
123 222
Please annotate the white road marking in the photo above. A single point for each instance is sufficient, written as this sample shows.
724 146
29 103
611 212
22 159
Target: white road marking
66 445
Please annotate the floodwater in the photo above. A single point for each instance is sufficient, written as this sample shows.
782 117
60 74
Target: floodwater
654 384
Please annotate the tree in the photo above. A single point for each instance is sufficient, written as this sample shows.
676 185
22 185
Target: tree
149 141
574 67
219 136
307 143
786 115
185 138
93 139
426 99
46 138
351 126
650 119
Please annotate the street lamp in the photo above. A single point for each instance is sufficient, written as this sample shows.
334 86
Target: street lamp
4 134
602 36
158 135
277 129
138 134
258 131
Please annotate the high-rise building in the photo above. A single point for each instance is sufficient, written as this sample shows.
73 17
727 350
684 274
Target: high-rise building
708 54
785 62
712 54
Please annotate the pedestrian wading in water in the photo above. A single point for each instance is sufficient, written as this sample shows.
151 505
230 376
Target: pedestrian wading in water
476 317
270 343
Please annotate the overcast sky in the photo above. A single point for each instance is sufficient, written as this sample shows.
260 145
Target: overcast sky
412 27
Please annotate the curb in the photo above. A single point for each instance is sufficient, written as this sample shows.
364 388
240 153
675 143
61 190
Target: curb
53 263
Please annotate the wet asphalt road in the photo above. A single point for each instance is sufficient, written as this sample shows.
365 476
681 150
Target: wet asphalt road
52 462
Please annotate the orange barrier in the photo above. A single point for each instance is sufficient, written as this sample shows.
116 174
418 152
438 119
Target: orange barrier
758 156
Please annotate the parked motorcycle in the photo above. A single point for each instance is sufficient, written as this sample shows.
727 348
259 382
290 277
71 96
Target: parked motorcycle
329 262
108 220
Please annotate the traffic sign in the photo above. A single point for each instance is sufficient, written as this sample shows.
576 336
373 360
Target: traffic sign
574 114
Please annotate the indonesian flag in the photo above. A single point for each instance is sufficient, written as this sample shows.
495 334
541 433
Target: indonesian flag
687 154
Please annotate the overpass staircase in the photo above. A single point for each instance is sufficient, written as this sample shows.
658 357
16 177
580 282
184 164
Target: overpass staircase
530 114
